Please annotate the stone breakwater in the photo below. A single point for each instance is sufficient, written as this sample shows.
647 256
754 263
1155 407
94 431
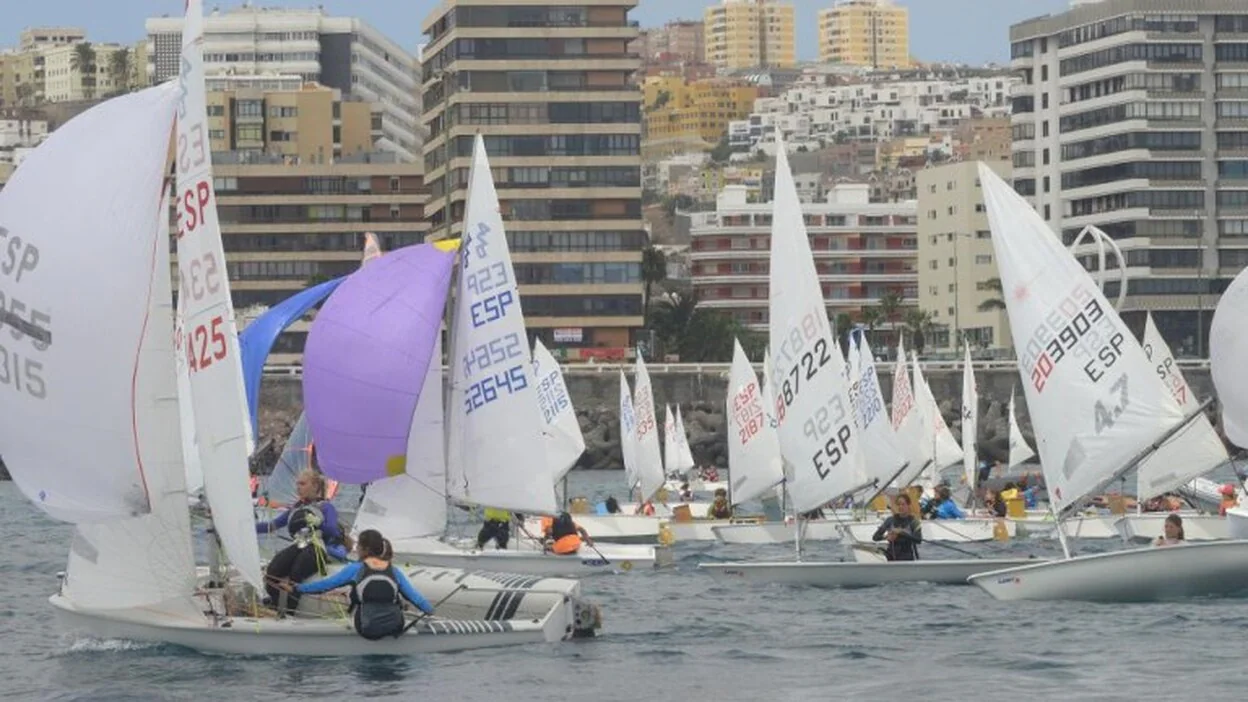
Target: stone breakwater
701 397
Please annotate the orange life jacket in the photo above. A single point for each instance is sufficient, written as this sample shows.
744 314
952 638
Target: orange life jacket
548 525
567 545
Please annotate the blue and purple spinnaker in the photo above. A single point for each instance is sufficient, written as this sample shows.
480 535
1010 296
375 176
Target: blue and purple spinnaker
366 358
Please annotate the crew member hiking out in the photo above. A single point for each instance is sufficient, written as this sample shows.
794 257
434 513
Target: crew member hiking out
377 589
563 536
902 532
312 524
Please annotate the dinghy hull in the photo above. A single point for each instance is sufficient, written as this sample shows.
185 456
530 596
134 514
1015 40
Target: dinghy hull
956 531
1145 528
776 532
611 528
1138 575
862 574
483 610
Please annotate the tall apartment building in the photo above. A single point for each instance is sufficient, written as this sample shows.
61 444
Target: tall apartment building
1133 117
547 86
873 33
743 34
283 116
339 52
681 40
862 251
956 269
285 226
681 115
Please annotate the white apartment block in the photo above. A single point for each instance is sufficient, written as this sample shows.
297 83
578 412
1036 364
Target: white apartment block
1133 117
337 52
862 251
814 116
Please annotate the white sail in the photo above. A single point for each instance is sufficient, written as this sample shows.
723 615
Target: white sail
628 435
649 461
685 455
69 433
769 413
564 442
146 562
1091 390
970 420
908 422
670 456
947 450
1019 450
186 413
495 440
1228 347
413 504
817 432
754 462
222 420
1192 452
883 451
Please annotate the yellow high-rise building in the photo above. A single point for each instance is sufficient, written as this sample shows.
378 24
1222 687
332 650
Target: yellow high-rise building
681 115
873 33
742 34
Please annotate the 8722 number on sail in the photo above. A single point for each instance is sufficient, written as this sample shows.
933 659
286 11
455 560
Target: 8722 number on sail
807 366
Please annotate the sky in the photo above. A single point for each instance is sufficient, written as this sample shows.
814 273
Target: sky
964 31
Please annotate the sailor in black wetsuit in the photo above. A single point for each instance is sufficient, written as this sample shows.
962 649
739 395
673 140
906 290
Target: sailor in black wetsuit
902 531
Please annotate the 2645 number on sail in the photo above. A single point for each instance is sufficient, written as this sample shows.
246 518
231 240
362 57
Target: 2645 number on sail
487 389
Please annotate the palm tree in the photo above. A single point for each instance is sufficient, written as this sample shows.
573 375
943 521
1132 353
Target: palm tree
698 334
83 61
653 271
120 66
890 305
992 303
920 323
870 317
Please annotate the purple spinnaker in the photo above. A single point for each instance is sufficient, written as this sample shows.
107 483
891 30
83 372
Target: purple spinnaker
365 361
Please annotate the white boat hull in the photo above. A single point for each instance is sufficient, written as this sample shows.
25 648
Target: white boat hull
776 532
1149 527
861 574
611 528
483 611
1237 522
956 531
529 559
1137 575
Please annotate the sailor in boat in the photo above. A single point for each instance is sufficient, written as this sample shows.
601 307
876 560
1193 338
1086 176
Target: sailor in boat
902 532
996 506
720 509
1173 532
985 472
312 524
686 493
646 508
497 527
942 506
612 505
1229 499
1028 492
377 589
562 536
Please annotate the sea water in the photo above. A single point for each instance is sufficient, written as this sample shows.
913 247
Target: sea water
674 634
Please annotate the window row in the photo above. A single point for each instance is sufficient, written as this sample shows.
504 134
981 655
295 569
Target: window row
577 273
577 241
1159 52
1158 170
1153 141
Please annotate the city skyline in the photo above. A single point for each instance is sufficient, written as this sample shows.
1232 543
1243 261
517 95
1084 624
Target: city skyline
932 22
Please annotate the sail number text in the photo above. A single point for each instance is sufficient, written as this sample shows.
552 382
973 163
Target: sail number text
492 353
18 369
1169 376
747 410
193 207
206 344
200 276
1107 414
828 427
552 395
487 389
1054 341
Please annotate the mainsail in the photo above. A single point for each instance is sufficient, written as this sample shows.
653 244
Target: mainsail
754 462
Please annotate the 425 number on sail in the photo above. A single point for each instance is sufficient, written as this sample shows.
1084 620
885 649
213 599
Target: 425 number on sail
206 344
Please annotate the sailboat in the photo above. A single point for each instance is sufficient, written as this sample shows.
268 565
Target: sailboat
819 434
1100 410
1228 347
1201 447
131 571
497 446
